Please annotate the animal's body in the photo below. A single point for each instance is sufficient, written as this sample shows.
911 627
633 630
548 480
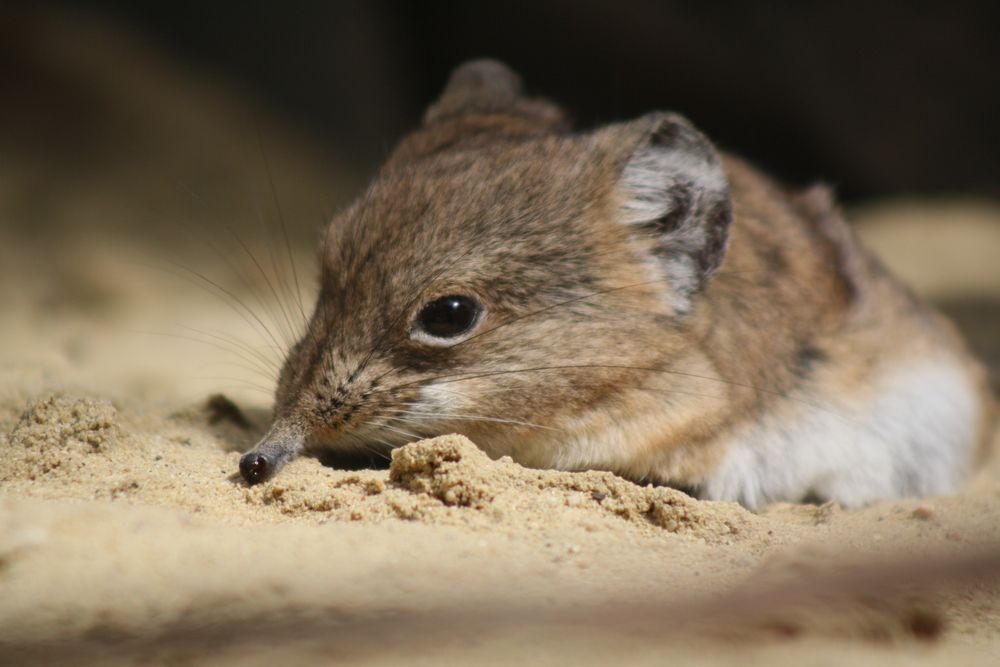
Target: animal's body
625 299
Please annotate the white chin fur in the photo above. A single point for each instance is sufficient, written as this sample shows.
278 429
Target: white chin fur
437 399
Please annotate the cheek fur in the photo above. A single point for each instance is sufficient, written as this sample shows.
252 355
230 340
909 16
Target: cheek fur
440 399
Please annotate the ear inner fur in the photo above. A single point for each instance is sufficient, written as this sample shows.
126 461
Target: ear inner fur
674 189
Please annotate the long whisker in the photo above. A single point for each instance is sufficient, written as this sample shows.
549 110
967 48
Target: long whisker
471 375
479 392
401 431
560 304
376 451
254 364
233 266
232 300
281 217
409 410
368 446
639 387
288 330
241 381
401 414
236 364
238 345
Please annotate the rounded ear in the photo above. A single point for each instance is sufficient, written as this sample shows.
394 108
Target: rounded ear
478 85
673 187
485 87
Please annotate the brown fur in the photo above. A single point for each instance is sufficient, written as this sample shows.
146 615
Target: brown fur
494 197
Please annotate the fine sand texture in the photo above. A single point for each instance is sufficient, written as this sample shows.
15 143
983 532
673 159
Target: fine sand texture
137 352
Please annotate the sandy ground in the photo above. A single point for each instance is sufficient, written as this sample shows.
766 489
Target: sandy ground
127 390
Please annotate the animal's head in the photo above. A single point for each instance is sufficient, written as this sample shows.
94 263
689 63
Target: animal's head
499 274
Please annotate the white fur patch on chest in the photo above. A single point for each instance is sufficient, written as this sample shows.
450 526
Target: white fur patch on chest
914 436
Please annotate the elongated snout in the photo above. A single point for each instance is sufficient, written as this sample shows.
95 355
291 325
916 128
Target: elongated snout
270 454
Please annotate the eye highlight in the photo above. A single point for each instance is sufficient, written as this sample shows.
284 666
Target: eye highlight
448 316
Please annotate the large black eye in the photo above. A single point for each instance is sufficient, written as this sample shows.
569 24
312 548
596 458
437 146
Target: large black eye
448 316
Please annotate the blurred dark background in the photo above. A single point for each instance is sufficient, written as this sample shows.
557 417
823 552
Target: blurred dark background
174 129
877 98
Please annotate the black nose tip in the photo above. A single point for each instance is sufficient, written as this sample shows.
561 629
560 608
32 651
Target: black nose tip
254 468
